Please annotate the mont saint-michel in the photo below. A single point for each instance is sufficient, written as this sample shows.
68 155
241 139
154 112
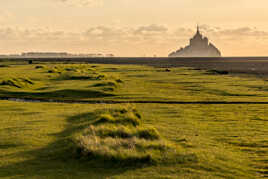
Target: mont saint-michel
199 47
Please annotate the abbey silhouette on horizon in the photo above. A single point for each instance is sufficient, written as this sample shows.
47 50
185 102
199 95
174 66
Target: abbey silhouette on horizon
199 47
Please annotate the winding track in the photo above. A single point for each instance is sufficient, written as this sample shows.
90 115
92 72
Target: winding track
29 100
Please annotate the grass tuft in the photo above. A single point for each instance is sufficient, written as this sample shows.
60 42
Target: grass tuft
122 131
117 118
118 135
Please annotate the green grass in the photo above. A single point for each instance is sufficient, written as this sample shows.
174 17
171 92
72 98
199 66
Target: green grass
122 131
50 140
119 117
214 141
118 136
17 82
131 83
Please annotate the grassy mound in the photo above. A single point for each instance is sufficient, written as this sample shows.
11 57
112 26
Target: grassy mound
118 135
107 85
123 132
85 73
80 76
78 69
18 82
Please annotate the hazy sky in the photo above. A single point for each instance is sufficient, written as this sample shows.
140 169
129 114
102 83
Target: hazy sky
132 27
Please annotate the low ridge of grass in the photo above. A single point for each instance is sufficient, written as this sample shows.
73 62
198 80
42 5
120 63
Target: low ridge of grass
119 117
17 82
84 83
72 75
121 131
69 68
118 135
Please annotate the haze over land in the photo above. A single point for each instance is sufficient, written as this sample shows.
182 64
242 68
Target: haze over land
131 27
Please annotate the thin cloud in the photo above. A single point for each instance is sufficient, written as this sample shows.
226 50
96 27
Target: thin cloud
82 3
151 29
240 32
126 41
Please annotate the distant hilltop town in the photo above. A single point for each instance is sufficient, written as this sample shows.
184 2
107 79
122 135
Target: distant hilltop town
55 55
199 47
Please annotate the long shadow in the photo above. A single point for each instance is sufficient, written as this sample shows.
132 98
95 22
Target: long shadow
65 78
58 94
59 159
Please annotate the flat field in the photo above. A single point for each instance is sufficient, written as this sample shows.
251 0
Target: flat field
54 139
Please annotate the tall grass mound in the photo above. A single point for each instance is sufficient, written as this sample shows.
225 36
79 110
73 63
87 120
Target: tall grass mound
18 82
83 73
107 85
119 136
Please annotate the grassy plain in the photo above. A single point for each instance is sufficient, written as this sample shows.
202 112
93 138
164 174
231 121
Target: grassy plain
126 82
213 141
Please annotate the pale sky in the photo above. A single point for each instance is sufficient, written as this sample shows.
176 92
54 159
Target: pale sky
132 27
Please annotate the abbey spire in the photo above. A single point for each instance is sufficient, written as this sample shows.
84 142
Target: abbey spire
197 29
199 47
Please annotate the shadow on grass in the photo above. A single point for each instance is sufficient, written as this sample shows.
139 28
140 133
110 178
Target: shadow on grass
59 94
74 78
218 92
60 159
80 77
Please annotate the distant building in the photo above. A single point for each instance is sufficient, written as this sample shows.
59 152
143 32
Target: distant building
62 55
199 47
44 54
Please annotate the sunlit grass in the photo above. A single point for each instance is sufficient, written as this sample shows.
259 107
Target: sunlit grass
138 83
118 136
50 140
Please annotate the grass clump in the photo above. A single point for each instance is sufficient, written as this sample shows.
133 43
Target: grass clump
126 119
148 133
17 82
107 85
118 135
